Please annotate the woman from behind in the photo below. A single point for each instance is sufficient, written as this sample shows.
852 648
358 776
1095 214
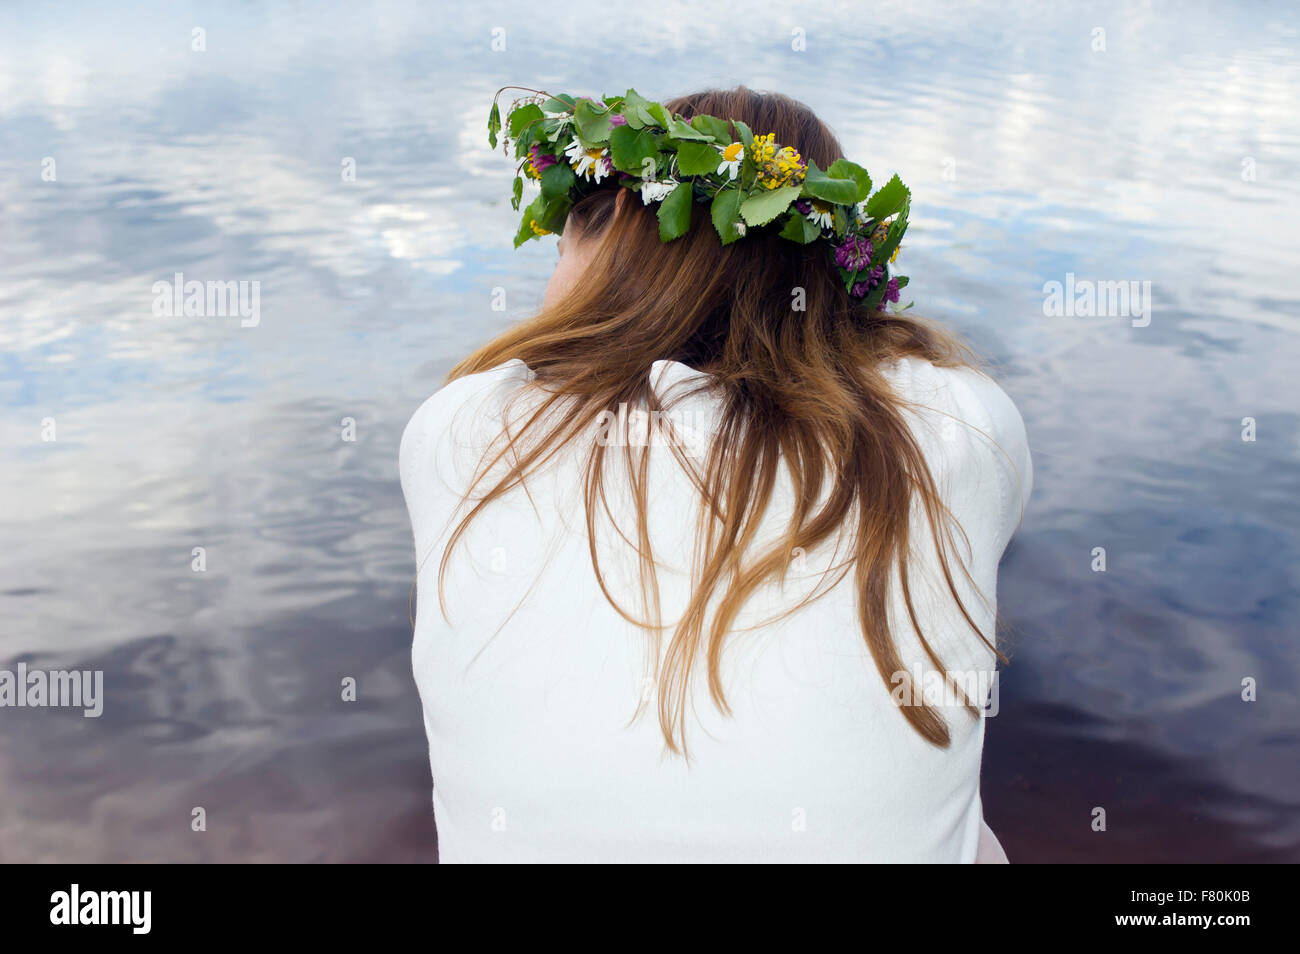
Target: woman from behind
708 547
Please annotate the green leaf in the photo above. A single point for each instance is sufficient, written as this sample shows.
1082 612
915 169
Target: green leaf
553 129
526 138
835 191
719 129
524 116
516 193
549 212
593 123
697 158
888 200
675 212
843 169
799 229
557 179
494 124
634 110
658 115
763 208
725 212
641 112
559 104
556 213
536 209
839 221
684 131
893 237
871 301
629 148
746 136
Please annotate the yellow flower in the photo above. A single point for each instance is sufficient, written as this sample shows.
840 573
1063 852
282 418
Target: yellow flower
537 229
763 148
790 165
776 167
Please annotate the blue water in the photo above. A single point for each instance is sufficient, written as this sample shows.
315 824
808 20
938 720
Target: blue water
1170 156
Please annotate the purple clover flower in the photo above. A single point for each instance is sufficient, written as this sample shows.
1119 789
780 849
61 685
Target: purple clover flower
892 293
854 253
540 160
618 119
860 289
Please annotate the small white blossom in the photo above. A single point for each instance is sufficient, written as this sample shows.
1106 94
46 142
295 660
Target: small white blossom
820 217
653 191
588 163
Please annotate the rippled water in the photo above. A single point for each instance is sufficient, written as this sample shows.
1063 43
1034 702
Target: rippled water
1031 154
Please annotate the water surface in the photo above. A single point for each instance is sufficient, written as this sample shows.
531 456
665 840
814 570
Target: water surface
1170 156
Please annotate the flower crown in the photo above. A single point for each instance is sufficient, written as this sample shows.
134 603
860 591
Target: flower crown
569 146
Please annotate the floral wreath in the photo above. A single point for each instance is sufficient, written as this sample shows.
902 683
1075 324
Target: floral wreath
569 145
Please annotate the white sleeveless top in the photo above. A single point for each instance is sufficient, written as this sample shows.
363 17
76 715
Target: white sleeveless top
529 690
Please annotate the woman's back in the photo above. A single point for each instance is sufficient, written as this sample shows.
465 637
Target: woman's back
529 691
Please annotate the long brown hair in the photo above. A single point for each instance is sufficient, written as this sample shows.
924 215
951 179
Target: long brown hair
801 388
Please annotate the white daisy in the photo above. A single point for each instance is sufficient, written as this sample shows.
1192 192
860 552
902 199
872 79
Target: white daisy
731 158
820 215
588 163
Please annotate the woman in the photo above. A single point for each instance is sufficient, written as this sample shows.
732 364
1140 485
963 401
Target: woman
699 541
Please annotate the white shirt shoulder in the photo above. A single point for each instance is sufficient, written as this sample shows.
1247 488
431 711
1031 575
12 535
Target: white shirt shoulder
974 440
445 439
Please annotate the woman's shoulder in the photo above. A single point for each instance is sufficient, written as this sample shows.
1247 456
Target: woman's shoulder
969 428
469 389
973 393
463 414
